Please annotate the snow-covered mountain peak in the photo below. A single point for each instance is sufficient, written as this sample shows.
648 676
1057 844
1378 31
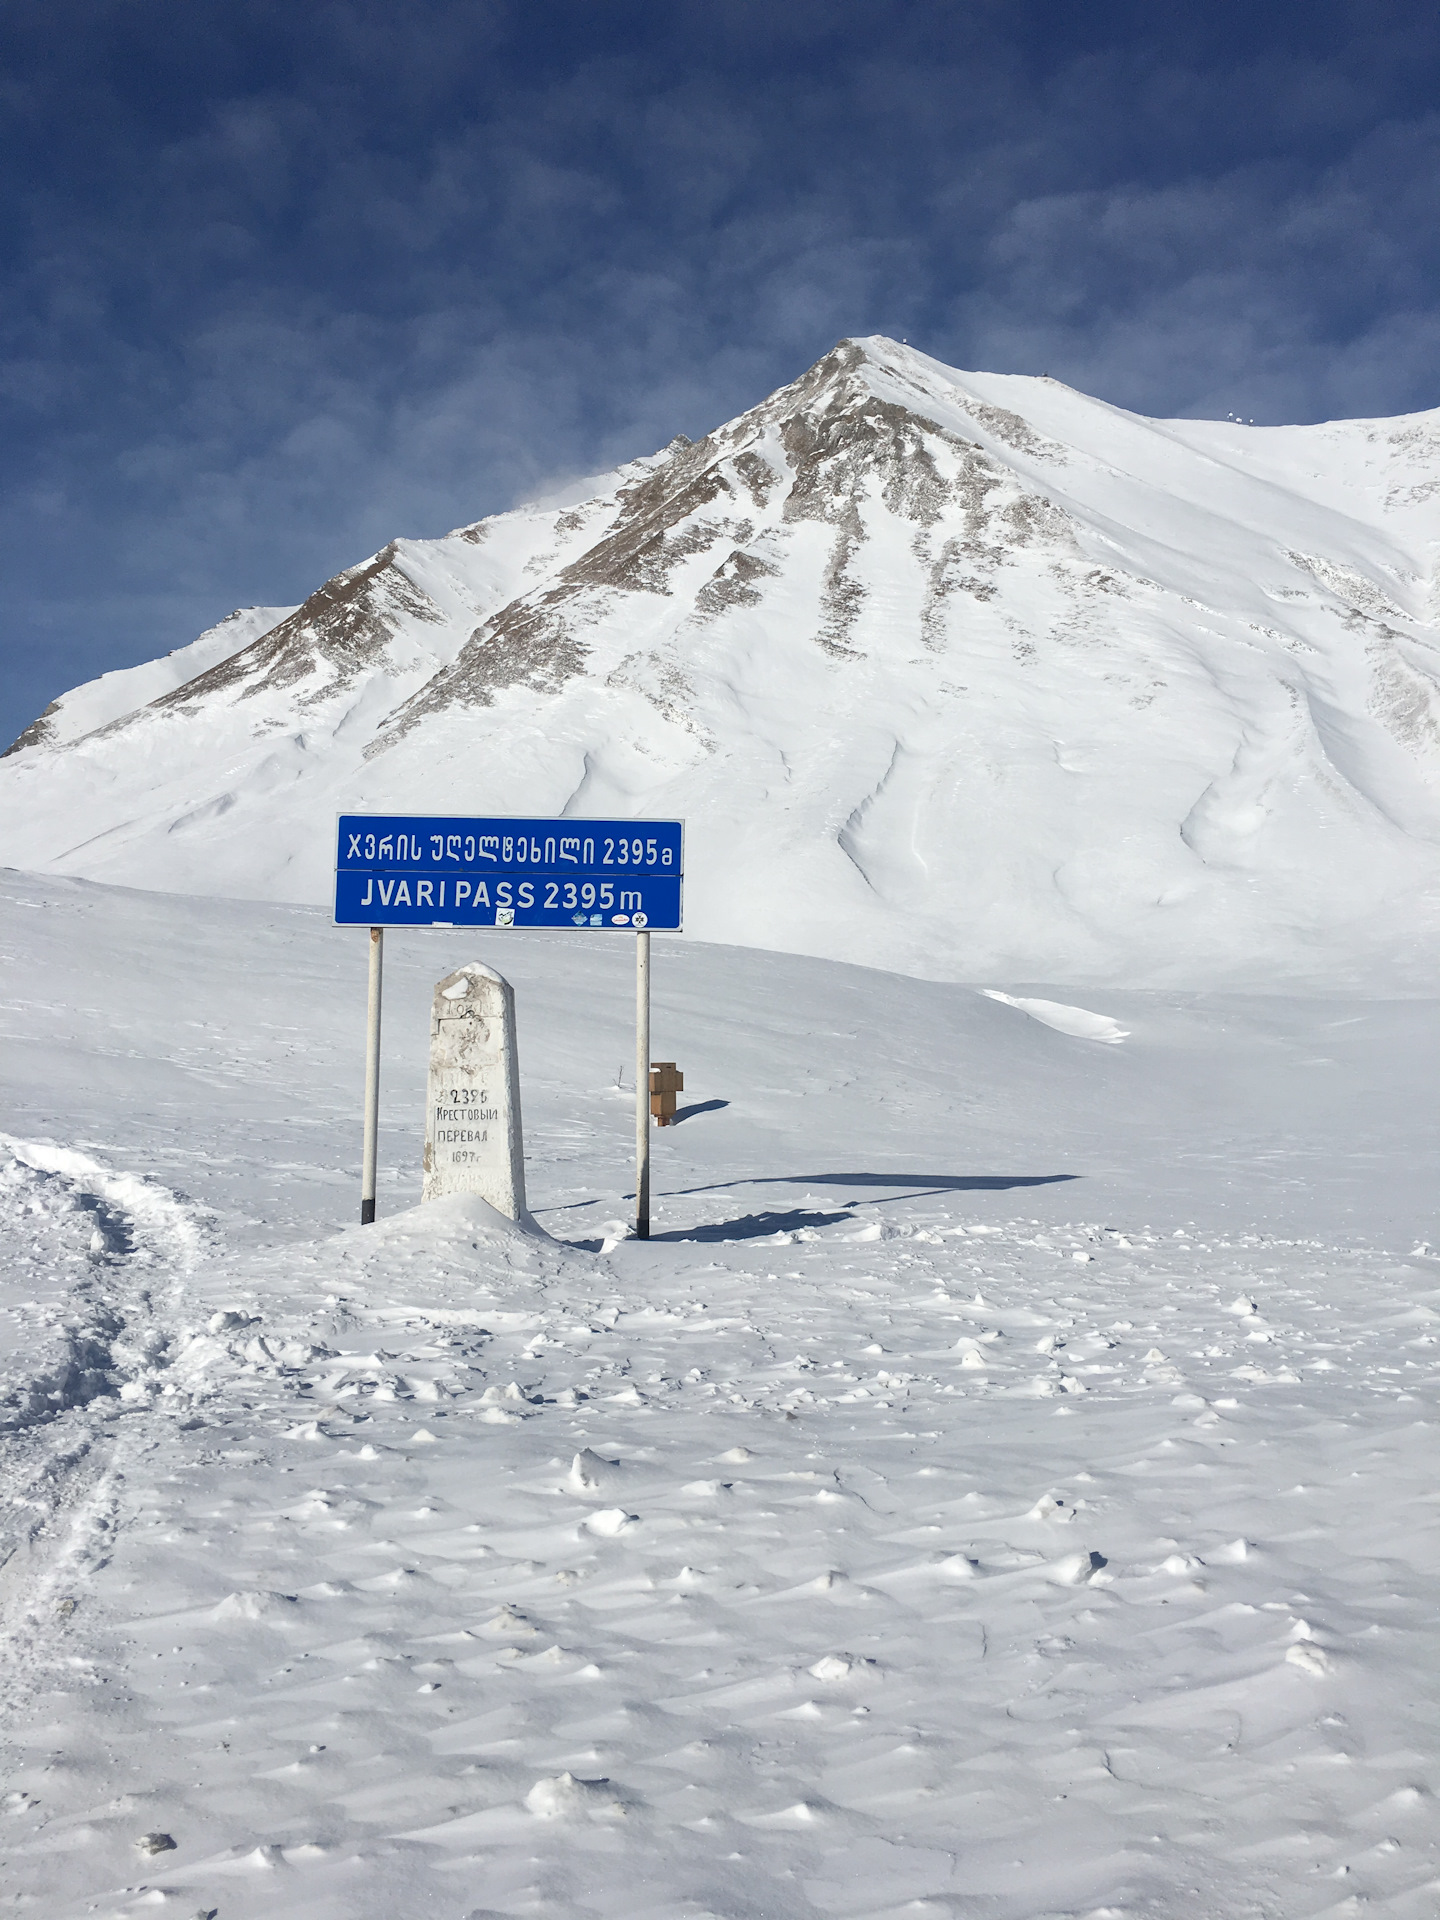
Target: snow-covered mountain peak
846 445
958 672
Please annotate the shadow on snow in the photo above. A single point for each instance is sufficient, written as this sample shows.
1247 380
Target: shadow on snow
755 1226
914 1186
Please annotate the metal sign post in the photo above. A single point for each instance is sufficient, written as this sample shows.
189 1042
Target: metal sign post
642 1085
448 870
372 1079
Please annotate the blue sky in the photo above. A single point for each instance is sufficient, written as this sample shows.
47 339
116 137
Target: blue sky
282 281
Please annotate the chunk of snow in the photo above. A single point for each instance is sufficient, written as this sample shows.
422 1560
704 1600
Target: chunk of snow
1077 1022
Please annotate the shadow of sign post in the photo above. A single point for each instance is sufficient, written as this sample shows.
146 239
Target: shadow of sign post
902 1186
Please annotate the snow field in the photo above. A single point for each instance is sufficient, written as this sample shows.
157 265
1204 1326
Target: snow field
481 1577
1029 1521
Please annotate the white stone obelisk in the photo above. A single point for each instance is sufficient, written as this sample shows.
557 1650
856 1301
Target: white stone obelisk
473 1142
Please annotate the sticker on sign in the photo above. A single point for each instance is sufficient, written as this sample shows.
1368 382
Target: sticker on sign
423 870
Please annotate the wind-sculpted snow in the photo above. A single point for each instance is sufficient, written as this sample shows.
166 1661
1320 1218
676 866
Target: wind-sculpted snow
961 674
999 1487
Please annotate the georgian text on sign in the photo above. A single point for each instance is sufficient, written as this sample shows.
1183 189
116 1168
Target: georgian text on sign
439 870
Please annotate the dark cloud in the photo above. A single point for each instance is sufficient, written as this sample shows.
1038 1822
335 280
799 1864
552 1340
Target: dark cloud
284 281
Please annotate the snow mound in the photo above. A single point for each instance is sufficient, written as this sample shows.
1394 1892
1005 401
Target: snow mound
589 1474
446 1222
610 1522
1075 1021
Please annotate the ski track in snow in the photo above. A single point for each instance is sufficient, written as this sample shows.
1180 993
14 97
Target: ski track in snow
919 1556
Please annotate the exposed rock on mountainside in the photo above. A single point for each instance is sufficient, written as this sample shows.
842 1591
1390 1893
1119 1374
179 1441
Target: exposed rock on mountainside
340 631
961 673
839 445
39 733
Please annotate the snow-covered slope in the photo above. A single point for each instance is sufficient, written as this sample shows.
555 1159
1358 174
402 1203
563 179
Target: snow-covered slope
115 696
998 1491
953 673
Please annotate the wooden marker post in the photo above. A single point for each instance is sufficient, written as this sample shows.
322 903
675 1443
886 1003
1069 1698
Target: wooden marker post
372 1079
665 1082
642 1084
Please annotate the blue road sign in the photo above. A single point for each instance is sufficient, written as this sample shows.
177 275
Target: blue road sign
443 870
